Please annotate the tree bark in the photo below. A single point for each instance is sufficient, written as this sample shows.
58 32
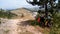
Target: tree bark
51 3
46 10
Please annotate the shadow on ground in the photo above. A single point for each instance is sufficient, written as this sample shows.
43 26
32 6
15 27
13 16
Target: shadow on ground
25 23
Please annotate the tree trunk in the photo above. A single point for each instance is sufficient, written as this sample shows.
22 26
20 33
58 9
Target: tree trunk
51 3
46 10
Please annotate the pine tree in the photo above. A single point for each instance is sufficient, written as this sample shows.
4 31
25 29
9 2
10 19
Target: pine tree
43 3
55 29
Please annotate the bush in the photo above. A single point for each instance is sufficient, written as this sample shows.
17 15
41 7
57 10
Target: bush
55 29
34 22
6 14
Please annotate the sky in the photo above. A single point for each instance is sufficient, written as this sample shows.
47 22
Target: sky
12 4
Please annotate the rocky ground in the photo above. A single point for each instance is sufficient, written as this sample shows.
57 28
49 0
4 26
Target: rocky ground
17 26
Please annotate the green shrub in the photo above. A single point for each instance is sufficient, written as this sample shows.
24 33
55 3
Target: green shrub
55 29
6 14
34 23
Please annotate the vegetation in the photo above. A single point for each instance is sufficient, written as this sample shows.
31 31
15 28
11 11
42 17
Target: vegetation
59 4
6 14
45 4
55 28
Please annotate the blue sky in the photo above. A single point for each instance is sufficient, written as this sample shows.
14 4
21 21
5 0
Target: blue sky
11 4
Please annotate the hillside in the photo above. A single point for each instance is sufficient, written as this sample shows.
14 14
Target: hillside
18 24
23 13
21 23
